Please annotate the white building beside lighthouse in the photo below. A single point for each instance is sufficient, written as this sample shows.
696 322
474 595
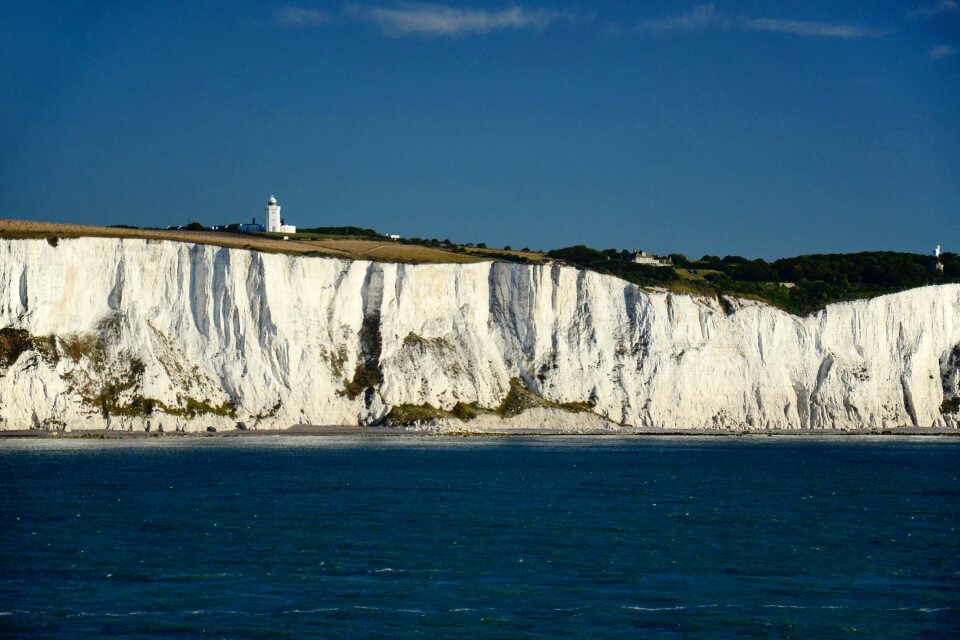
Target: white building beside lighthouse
274 222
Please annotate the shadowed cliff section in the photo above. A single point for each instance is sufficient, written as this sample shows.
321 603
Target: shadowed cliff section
367 375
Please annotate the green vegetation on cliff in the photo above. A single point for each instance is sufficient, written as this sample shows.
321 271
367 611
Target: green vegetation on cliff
800 285
517 400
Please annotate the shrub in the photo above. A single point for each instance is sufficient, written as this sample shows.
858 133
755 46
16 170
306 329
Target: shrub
950 405
13 342
408 414
464 411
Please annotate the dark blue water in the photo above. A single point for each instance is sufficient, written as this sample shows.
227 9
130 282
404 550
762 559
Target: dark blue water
580 538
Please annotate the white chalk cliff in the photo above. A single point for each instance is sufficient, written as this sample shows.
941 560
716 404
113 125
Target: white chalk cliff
136 334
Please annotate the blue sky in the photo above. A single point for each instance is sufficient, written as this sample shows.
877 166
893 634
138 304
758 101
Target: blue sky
763 128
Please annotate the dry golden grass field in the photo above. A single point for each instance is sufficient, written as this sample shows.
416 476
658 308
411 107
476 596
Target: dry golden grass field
350 248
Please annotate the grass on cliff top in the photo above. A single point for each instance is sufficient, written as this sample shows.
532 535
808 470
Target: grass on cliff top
345 247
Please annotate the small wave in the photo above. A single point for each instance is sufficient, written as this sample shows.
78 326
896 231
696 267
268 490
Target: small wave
222 612
729 606
396 610
109 614
317 610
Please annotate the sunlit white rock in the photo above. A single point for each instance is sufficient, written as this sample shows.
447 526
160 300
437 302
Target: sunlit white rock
279 335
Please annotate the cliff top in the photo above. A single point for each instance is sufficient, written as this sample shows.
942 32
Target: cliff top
348 247
799 285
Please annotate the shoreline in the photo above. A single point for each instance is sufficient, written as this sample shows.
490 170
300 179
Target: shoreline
340 431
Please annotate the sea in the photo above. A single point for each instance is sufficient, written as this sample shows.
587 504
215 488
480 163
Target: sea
437 537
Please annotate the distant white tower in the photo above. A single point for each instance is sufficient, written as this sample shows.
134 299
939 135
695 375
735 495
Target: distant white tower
273 215
936 252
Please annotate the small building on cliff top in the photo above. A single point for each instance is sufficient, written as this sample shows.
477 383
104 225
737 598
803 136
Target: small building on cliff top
642 257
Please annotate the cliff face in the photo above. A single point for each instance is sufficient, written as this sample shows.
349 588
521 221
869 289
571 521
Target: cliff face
137 333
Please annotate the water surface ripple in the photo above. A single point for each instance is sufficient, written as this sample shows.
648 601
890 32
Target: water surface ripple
519 537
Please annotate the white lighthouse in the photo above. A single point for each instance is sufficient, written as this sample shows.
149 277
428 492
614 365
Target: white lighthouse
273 215
274 222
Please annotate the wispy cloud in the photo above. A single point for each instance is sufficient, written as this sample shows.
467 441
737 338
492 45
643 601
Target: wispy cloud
706 16
937 8
697 19
813 29
300 17
432 19
941 51
441 20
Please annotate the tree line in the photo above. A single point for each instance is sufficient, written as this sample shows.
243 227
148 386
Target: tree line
800 285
